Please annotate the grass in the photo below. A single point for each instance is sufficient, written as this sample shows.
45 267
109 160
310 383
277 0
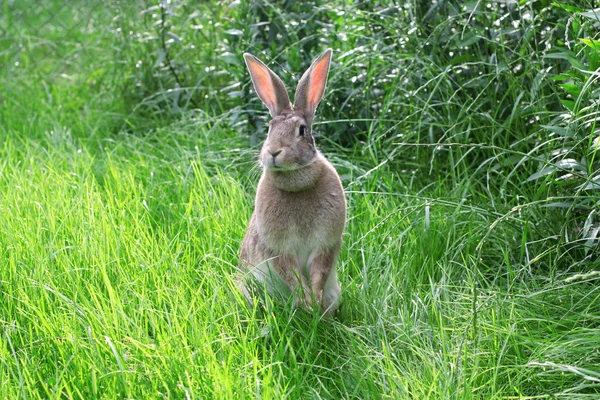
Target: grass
121 228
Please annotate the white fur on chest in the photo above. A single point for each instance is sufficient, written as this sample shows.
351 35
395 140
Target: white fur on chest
290 240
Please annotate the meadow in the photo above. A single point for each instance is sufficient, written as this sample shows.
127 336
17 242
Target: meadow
465 136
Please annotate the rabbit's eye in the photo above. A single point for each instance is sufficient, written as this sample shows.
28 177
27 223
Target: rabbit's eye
301 130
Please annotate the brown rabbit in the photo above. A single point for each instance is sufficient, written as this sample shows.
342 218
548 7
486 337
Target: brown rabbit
295 233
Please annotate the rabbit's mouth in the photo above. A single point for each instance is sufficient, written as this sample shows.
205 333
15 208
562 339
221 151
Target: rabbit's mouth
274 162
281 163
278 165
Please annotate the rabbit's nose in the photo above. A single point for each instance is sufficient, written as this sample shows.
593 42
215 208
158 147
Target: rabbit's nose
274 153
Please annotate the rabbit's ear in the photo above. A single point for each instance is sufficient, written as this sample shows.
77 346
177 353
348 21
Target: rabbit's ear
268 86
312 85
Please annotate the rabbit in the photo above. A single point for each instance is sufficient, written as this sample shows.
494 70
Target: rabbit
295 233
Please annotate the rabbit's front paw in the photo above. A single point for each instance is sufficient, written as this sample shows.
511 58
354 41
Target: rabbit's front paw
309 299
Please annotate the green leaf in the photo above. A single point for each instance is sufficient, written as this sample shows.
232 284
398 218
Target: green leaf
570 164
566 164
594 58
570 104
468 41
592 14
464 58
568 7
174 38
561 77
564 132
558 204
572 89
594 44
594 184
566 56
541 173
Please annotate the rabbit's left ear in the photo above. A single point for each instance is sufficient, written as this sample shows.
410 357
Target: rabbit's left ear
311 86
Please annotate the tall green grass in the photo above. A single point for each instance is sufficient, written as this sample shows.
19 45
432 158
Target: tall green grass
469 265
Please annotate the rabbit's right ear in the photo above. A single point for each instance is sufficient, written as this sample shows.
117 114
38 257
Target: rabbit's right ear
268 86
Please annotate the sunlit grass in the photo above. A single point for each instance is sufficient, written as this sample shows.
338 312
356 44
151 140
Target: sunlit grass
117 281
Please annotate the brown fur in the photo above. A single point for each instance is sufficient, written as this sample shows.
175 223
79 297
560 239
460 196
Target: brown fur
295 233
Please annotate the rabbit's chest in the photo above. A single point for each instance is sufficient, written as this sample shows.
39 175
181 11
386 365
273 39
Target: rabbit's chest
295 224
